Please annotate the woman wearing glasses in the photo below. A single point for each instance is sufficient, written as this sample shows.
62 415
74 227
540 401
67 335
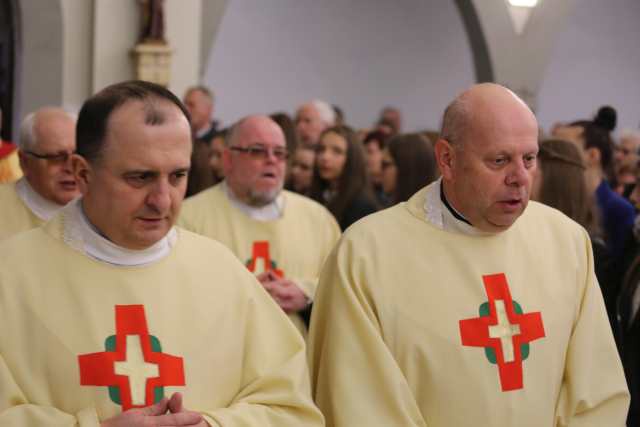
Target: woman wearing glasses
340 179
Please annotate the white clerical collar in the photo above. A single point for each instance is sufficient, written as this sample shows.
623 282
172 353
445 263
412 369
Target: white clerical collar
438 214
43 208
269 212
80 234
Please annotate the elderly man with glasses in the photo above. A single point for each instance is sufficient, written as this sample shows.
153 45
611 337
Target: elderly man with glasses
282 237
47 140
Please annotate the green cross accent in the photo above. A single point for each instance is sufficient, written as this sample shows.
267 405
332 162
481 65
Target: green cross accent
274 265
489 351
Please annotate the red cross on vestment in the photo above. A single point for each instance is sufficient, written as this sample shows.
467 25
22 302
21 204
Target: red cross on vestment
504 330
99 369
261 251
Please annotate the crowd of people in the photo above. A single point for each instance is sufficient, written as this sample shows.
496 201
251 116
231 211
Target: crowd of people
317 273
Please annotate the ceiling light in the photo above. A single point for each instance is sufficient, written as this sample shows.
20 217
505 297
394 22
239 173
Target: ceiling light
523 3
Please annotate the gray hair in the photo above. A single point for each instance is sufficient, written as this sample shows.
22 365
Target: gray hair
28 140
629 134
325 111
202 89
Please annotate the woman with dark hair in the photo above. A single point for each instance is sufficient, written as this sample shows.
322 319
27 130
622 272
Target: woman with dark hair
408 164
594 139
301 174
560 182
288 128
340 180
374 143
215 156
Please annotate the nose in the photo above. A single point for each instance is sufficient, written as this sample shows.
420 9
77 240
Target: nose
271 156
519 175
159 197
67 165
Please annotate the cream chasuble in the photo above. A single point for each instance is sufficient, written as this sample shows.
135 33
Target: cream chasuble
292 236
422 320
91 329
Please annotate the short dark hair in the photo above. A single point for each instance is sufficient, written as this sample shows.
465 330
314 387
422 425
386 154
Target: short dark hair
203 90
94 115
288 128
376 136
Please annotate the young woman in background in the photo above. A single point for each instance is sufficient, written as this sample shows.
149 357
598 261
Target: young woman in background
340 180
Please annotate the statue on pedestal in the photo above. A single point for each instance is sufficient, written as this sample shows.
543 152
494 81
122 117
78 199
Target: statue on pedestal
152 21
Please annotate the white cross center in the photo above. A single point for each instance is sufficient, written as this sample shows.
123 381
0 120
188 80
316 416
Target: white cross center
505 331
260 266
136 369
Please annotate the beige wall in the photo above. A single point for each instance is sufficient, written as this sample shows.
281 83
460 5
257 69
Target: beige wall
41 77
77 18
183 24
116 31
212 14
73 48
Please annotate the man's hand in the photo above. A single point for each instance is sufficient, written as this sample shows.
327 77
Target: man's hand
175 407
156 415
268 280
267 277
285 292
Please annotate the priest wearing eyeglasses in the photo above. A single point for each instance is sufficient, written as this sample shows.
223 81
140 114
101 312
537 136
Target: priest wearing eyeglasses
47 140
282 237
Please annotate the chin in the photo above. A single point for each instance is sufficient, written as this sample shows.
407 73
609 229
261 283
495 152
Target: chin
507 222
147 241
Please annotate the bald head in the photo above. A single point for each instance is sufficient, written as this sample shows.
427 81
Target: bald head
254 160
489 181
482 106
250 124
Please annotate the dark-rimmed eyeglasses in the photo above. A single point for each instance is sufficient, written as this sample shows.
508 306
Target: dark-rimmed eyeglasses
262 152
62 157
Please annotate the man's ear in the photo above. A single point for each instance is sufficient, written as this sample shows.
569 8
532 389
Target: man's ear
82 171
226 161
445 158
24 163
592 156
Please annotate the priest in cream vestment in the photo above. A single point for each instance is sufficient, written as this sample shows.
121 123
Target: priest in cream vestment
113 317
282 237
466 305
47 140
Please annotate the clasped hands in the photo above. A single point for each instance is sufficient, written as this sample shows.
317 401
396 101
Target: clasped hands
167 412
